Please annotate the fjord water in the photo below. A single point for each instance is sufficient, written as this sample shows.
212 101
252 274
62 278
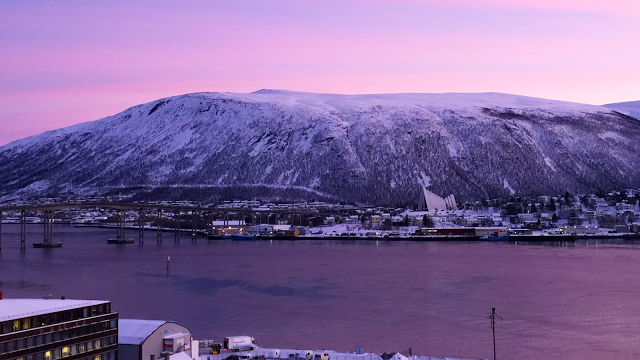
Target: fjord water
565 301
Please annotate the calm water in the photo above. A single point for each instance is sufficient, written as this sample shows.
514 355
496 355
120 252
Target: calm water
567 302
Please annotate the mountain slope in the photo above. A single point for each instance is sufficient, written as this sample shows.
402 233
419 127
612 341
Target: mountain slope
371 149
630 108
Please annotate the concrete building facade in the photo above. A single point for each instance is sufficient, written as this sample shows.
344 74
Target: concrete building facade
432 202
48 329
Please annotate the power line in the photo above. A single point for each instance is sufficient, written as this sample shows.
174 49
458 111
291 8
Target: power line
493 318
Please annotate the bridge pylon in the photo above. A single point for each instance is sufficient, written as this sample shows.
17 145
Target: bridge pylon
23 229
141 226
159 236
194 224
176 220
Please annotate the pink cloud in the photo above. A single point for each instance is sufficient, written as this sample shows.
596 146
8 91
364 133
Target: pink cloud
627 7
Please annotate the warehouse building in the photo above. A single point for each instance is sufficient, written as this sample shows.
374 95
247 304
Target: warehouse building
154 340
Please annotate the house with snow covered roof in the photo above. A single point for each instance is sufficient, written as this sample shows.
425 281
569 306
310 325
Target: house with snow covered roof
153 340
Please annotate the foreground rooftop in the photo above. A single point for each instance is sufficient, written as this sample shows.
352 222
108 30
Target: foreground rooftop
19 308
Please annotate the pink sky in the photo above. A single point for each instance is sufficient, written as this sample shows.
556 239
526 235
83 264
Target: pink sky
65 62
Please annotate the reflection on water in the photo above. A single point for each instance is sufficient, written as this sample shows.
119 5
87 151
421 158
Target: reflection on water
570 300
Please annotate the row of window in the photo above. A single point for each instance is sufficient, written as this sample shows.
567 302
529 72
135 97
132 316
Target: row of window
37 340
111 355
54 318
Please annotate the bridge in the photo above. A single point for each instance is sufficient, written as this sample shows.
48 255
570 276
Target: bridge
144 209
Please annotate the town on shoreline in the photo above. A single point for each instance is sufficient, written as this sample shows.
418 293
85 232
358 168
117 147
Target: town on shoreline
601 214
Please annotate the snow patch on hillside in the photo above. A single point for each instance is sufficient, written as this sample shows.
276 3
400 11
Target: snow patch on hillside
508 187
424 180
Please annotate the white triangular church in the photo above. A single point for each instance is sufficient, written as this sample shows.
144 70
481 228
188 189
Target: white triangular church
432 202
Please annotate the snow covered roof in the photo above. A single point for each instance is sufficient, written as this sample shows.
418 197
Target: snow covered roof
134 331
180 356
19 308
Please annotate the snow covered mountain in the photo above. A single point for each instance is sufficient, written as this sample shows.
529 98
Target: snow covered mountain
631 108
367 149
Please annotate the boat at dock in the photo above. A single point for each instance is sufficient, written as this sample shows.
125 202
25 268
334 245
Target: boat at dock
243 237
494 237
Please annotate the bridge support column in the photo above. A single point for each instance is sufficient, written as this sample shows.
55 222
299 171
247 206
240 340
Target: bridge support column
212 227
159 236
194 224
141 226
210 222
176 219
48 228
23 229
121 218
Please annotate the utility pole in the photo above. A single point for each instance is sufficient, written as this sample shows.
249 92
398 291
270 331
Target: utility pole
493 318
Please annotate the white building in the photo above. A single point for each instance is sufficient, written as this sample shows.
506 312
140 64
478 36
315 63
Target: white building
153 340
432 202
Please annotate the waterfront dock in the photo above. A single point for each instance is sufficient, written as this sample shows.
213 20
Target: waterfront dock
297 354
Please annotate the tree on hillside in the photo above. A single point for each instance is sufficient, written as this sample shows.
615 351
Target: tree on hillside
567 197
427 221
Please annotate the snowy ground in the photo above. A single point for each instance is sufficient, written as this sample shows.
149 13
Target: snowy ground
291 354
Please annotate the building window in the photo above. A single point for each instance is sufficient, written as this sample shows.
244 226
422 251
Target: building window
31 341
25 323
90 346
6 327
81 348
47 355
74 349
16 325
65 351
98 357
97 344
39 340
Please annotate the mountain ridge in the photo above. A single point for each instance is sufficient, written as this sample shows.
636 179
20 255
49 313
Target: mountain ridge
630 108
